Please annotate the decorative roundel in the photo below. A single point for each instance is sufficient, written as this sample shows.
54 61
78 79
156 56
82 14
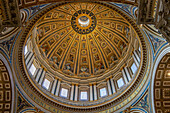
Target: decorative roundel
83 21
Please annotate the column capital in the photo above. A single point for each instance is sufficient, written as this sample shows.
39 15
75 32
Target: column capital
56 78
90 84
94 83
45 69
111 77
107 79
72 83
59 79
122 66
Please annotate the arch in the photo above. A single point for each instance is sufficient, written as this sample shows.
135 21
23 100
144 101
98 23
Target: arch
9 83
138 110
28 110
156 63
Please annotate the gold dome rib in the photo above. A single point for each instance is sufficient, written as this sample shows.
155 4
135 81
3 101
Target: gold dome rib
117 32
66 53
100 52
44 38
101 12
123 38
117 20
76 65
61 10
83 47
72 7
111 45
86 6
50 21
53 49
67 9
80 7
89 56
93 8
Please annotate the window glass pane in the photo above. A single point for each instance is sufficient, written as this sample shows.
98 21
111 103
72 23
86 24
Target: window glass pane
134 68
64 92
139 49
120 82
25 50
32 69
103 92
83 95
46 83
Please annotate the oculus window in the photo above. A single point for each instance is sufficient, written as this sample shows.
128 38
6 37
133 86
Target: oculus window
64 92
120 82
103 92
32 69
46 84
134 68
83 95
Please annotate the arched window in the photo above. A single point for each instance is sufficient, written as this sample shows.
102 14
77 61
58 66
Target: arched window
64 92
46 84
32 69
83 95
103 92
120 82
134 68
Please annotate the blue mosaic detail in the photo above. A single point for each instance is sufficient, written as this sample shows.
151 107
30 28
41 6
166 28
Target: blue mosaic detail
37 8
7 44
156 41
143 103
127 8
